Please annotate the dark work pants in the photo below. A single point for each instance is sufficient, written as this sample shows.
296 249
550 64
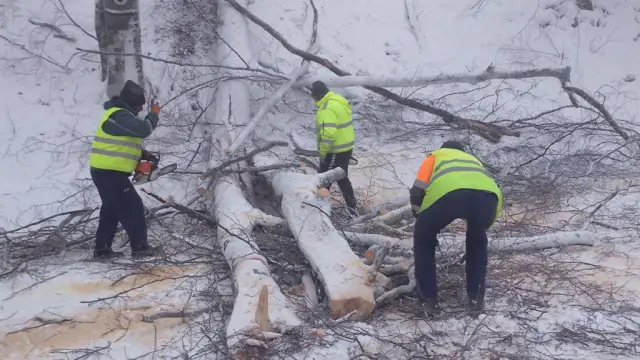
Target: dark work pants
120 204
478 208
332 161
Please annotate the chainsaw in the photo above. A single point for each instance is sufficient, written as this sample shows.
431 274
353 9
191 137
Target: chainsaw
312 153
147 170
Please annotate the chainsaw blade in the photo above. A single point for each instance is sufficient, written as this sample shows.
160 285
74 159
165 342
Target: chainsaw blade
164 171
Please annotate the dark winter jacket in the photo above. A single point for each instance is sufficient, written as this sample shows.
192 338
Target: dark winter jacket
125 123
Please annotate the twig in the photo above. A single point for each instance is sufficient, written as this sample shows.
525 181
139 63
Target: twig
593 164
247 156
173 314
180 63
598 207
72 212
24 48
183 209
59 33
64 10
34 285
42 321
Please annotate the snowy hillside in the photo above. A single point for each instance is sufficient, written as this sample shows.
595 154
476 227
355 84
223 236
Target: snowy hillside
566 160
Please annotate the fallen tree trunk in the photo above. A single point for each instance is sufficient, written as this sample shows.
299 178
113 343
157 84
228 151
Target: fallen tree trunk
260 308
236 219
305 204
562 74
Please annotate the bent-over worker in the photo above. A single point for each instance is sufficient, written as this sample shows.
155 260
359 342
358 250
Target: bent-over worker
115 153
452 184
335 137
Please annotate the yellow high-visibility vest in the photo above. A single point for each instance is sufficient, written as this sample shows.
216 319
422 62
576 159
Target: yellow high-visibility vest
454 170
120 153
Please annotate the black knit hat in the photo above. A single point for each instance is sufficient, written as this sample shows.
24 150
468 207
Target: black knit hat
452 144
132 94
319 90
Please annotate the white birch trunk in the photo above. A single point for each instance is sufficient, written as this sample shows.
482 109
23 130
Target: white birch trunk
347 281
117 25
236 219
260 307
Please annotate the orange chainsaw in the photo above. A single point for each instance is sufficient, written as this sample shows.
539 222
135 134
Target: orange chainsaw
147 170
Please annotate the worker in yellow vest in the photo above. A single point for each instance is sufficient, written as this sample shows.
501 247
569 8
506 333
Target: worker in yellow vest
335 137
452 184
115 153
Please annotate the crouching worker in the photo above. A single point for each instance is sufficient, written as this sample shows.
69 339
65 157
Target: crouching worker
450 185
115 153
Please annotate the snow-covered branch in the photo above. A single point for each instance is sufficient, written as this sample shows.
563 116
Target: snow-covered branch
539 242
489 131
562 74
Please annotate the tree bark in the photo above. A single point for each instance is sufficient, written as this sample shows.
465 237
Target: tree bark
117 25
305 204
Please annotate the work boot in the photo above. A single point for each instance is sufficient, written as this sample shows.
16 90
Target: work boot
431 307
475 306
107 254
150 251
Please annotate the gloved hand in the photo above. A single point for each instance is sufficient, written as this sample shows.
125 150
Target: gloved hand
155 107
147 156
415 211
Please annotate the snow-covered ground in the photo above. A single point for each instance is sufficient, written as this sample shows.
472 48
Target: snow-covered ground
51 99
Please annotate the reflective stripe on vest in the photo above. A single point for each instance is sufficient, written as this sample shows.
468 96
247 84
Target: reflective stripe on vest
120 153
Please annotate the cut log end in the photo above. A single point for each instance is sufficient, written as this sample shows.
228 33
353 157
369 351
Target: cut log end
262 311
342 307
323 192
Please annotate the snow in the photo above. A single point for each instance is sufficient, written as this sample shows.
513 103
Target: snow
49 116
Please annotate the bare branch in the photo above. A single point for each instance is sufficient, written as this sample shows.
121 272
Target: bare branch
598 106
488 131
59 33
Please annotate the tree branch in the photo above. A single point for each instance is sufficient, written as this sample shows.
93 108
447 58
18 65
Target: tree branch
245 157
562 74
598 106
488 131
